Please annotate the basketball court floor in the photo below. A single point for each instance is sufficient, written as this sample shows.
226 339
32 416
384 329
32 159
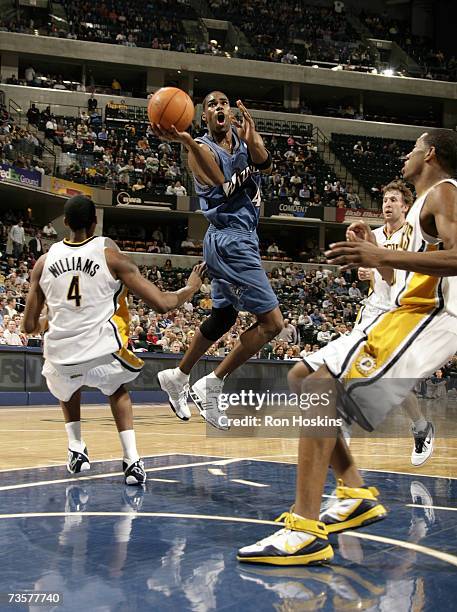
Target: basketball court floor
104 546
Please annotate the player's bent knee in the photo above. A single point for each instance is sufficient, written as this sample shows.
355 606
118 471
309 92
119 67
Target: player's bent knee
218 323
273 324
298 372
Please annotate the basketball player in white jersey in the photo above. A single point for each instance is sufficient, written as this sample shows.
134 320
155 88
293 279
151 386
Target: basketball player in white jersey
397 199
404 345
84 282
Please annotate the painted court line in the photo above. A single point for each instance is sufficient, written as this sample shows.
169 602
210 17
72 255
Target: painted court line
431 507
249 483
431 552
425 550
42 483
36 467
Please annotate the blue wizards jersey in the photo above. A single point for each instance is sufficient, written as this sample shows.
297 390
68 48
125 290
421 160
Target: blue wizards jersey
236 203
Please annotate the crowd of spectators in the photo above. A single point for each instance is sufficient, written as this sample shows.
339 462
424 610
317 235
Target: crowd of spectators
301 177
20 145
297 33
117 155
318 306
434 64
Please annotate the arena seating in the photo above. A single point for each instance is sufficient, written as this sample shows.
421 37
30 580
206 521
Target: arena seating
375 162
433 62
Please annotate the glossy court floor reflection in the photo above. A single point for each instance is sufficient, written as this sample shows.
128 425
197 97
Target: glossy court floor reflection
172 546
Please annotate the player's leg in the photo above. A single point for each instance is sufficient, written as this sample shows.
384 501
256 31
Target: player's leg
110 378
266 328
423 431
121 407
305 538
206 391
78 458
175 381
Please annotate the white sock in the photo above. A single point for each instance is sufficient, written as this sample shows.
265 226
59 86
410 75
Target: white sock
181 375
214 375
129 446
74 436
420 425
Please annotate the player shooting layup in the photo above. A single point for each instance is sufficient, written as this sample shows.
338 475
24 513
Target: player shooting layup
226 164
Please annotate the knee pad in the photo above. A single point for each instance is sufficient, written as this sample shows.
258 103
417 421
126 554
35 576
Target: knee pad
218 323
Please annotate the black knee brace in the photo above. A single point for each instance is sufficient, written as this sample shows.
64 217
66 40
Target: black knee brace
218 323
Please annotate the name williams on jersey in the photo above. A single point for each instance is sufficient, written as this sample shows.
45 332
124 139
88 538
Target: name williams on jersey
73 264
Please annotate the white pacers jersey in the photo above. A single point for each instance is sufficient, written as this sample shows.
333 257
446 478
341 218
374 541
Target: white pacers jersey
380 296
421 290
87 308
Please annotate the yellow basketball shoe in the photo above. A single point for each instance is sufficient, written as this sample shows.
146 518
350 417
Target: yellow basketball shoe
354 507
301 542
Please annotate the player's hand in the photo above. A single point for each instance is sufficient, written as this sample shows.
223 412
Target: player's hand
196 277
364 274
355 254
171 135
360 229
246 128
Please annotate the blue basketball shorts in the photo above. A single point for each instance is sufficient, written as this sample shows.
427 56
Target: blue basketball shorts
235 268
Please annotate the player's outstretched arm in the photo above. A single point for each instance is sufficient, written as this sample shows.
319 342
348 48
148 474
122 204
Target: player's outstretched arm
31 322
440 217
247 131
126 270
201 160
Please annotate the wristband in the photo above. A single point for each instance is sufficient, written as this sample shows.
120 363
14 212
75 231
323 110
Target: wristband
265 164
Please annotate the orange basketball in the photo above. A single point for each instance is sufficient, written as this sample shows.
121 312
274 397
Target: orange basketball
171 106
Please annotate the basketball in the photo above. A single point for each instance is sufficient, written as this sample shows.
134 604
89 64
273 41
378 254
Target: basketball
171 106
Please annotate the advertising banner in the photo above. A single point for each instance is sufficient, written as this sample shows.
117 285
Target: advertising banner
349 215
284 208
29 178
69 189
143 198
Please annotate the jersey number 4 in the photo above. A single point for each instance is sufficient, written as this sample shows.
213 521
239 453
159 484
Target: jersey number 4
73 291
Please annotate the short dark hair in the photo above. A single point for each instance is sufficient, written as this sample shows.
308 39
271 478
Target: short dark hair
79 212
445 143
402 188
205 101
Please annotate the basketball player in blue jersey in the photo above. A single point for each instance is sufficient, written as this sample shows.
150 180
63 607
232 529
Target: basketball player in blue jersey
226 164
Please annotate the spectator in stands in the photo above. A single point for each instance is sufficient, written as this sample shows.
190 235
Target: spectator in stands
11 336
51 129
17 236
138 186
92 103
49 230
354 292
116 87
324 335
10 308
288 333
273 249
35 245
33 115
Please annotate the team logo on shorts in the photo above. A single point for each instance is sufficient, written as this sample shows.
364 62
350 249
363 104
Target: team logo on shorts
366 364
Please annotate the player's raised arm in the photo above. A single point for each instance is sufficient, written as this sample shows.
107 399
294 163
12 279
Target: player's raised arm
201 160
127 271
31 322
259 154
